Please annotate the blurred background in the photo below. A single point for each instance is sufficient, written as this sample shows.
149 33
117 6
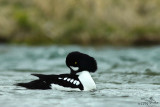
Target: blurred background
122 35
83 22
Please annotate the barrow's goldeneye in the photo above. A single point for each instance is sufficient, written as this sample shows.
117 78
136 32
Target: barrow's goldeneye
79 78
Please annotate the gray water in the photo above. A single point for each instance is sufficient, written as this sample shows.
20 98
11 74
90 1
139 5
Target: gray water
126 77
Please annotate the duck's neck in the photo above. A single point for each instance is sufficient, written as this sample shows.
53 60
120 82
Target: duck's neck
87 81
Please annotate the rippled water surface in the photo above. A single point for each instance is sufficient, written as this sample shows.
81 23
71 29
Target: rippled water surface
126 77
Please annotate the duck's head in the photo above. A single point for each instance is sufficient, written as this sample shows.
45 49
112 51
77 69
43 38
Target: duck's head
78 62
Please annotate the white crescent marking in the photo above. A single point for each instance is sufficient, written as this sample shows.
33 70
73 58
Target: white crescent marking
75 68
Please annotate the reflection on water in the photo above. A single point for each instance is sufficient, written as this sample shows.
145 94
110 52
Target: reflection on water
124 76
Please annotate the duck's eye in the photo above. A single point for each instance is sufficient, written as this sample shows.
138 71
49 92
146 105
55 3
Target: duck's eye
75 63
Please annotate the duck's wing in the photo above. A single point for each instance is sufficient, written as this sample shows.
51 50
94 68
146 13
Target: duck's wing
44 82
50 81
35 84
45 77
65 80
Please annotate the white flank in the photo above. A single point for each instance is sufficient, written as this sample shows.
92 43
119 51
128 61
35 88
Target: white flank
74 68
58 87
87 81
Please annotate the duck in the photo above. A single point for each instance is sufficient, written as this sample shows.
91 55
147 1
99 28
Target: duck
79 78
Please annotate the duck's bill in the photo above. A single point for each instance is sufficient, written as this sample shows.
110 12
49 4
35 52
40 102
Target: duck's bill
74 68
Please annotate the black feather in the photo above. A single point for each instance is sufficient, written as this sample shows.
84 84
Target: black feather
45 81
36 84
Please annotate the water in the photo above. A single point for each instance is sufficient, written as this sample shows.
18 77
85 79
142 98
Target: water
126 77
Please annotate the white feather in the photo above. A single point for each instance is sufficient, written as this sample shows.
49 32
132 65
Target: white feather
58 87
74 68
87 81
71 80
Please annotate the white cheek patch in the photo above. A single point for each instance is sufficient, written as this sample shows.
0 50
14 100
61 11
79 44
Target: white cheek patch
75 68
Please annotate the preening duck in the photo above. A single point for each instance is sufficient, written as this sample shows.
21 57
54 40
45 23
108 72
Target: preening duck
79 78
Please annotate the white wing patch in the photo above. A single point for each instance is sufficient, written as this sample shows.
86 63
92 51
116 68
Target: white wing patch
65 78
59 87
68 79
71 80
75 82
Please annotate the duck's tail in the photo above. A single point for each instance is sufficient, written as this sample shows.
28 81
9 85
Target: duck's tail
36 84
